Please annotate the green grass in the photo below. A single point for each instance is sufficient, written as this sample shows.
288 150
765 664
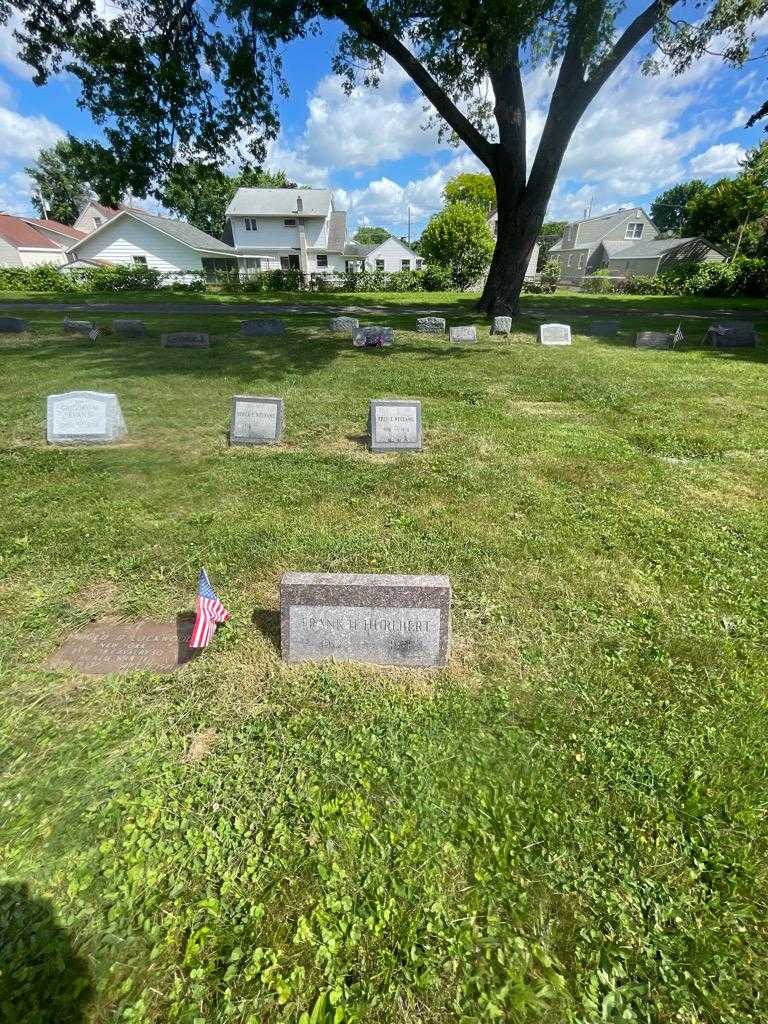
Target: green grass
566 825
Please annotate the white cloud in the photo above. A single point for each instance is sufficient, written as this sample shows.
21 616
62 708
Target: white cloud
22 138
9 57
718 160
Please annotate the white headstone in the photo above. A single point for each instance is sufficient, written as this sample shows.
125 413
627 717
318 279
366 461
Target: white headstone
555 334
465 334
256 420
395 424
84 417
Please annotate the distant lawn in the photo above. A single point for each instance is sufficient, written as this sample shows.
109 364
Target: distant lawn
566 825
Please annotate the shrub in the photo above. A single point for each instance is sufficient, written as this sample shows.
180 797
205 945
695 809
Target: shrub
459 238
599 283
744 276
437 278
550 275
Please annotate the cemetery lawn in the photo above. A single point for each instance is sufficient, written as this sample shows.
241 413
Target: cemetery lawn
568 824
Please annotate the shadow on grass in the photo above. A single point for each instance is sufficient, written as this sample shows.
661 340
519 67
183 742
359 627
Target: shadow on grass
42 979
759 354
267 621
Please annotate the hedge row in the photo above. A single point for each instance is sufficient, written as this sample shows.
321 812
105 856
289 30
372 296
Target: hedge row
744 276
47 278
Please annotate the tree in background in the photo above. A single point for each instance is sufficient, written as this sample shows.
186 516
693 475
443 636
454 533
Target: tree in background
734 211
371 236
551 232
669 210
459 238
475 189
200 192
58 177
170 77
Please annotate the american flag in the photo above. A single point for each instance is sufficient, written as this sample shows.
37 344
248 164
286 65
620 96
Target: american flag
210 611
678 338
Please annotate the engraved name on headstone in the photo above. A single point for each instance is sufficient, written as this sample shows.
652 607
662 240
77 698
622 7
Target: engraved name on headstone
733 334
430 325
395 424
383 620
256 420
84 417
186 339
343 324
103 647
653 339
262 328
12 325
554 334
465 334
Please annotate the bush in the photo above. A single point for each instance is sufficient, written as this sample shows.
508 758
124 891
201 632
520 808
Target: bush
599 283
459 237
437 278
741 277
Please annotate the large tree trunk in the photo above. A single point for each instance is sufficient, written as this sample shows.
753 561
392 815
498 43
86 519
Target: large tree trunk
518 228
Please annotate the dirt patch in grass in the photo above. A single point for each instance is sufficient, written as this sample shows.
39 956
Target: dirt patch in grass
101 596
201 745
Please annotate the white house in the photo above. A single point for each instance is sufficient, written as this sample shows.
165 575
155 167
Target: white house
171 246
391 256
93 215
29 242
533 259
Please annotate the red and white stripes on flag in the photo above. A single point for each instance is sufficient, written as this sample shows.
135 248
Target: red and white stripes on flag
210 612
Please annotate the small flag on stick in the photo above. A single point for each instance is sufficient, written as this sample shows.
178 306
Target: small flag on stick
678 338
210 612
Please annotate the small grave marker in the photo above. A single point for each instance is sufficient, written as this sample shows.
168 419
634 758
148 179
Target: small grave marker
129 328
256 420
84 417
103 647
12 325
262 328
78 327
383 620
343 324
395 424
186 339
502 325
430 325
604 328
373 337
653 339
734 334
554 334
462 334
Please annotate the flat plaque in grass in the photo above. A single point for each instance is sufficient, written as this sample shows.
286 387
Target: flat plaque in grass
186 339
12 325
734 334
653 339
382 620
129 328
262 328
84 417
554 334
466 334
395 424
103 647
256 420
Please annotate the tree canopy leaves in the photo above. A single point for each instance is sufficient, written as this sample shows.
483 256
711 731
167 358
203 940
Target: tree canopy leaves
58 178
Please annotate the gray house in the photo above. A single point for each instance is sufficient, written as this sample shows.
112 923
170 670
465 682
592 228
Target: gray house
625 242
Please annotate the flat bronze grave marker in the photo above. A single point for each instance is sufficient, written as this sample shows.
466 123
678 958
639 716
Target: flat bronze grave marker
103 647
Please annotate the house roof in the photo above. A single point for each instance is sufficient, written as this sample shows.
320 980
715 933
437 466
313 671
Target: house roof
655 247
614 247
55 225
280 202
107 211
185 233
22 235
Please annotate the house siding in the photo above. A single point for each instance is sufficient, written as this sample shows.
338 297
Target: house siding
272 236
123 238
9 257
87 219
393 252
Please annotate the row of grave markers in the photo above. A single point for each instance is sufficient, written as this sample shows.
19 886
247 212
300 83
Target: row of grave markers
95 417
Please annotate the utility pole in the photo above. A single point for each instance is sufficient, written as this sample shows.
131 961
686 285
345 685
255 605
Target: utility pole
43 204
409 223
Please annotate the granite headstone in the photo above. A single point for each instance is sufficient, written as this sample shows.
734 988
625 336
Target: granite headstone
502 325
12 325
604 328
129 328
430 325
84 417
373 337
554 334
186 339
383 620
256 419
462 334
103 647
343 324
262 328
394 424
78 326
733 334
653 339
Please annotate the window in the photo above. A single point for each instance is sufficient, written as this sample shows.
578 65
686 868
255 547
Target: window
322 259
299 204
290 222
405 264
634 229
140 261
570 259
419 264
581 260
289 263
251 224
379 264
98 221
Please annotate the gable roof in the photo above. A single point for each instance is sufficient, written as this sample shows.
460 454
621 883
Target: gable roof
371 249
656 247
55 225
280 202
22 235
106 211
179 230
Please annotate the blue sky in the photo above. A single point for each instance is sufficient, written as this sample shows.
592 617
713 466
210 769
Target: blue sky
639 137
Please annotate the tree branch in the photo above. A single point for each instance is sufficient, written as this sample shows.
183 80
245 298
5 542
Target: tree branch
629 39
360 19
509 108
